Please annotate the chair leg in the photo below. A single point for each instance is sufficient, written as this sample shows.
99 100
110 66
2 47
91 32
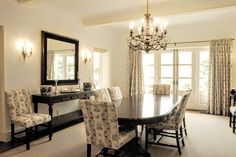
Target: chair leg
177 141
12 133
234 123
154 134
50 129
88 150
185 129
230 119
182 136
27 130
142 127
146 138
116 153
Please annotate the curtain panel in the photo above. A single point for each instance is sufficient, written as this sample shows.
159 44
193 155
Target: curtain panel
219 76
136 81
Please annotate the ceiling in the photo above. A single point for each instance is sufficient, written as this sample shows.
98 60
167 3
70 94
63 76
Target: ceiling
107 12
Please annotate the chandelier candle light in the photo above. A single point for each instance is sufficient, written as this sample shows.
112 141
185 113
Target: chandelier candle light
151 35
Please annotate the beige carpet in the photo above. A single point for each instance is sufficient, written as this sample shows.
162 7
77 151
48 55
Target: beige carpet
208 136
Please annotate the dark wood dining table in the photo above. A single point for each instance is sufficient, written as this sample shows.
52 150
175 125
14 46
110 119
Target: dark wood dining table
145 109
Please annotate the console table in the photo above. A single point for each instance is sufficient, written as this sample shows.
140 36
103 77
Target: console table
50 100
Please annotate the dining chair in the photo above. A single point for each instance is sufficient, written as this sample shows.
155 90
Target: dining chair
19 106
232 109
173 122
161 89
101 124
115 93
102 95
184 121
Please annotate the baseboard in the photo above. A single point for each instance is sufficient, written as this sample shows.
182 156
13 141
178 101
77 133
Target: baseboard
5 137
196 110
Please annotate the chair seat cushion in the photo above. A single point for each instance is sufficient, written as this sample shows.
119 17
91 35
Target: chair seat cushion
233 110
166 125
124 137
30 120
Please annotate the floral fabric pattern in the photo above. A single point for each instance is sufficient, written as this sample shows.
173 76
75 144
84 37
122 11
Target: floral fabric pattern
219 79
161 89
115 93
19 106
136 78
175 118
101 123
102 95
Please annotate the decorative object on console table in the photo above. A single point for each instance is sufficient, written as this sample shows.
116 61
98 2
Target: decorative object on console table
46 90
56 90
87 86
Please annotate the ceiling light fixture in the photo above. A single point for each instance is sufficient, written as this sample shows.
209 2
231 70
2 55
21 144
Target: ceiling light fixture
151 35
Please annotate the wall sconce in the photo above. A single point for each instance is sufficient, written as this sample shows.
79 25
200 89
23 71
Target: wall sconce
25 48
86 56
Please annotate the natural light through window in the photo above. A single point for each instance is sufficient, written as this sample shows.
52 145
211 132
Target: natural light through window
148 70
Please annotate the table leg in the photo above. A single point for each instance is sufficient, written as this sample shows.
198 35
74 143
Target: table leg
36 107
50 110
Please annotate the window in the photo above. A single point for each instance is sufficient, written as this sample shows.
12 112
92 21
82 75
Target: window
64 65
97 72
101 71
182 68
148 71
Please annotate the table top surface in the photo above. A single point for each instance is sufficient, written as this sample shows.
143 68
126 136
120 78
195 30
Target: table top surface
145 107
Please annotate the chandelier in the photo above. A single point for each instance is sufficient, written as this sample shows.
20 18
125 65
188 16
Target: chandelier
151 35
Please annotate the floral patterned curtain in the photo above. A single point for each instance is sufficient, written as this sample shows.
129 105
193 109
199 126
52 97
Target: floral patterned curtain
136 81
219 76
50 65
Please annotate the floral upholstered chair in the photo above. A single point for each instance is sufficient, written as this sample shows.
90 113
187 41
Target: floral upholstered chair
101 123
161 89
102 95
115 93
19 106
172 123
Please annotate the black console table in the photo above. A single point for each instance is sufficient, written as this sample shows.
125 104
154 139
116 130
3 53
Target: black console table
50 100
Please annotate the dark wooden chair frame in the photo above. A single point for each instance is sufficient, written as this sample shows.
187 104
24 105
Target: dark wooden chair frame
184 127
178 135
232 118
28 133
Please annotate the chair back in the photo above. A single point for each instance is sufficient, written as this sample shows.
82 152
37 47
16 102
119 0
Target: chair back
115 93
232 97
101 122
180 111
18 102
102 95
161 89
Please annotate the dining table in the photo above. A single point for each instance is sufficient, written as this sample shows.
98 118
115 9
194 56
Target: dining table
144 109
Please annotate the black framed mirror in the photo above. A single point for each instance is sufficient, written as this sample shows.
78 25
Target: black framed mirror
59 60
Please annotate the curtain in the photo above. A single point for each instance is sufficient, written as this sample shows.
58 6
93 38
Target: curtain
136 82
219 76
50 65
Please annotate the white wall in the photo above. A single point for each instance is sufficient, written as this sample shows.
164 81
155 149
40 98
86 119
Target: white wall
2 114
25 22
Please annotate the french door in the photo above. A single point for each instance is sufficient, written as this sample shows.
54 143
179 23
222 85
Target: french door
185 69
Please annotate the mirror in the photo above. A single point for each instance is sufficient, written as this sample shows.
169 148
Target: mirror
59 59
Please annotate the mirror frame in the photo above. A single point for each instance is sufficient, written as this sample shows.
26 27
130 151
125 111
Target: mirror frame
45 36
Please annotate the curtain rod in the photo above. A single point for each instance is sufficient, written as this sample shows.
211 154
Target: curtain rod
187 42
